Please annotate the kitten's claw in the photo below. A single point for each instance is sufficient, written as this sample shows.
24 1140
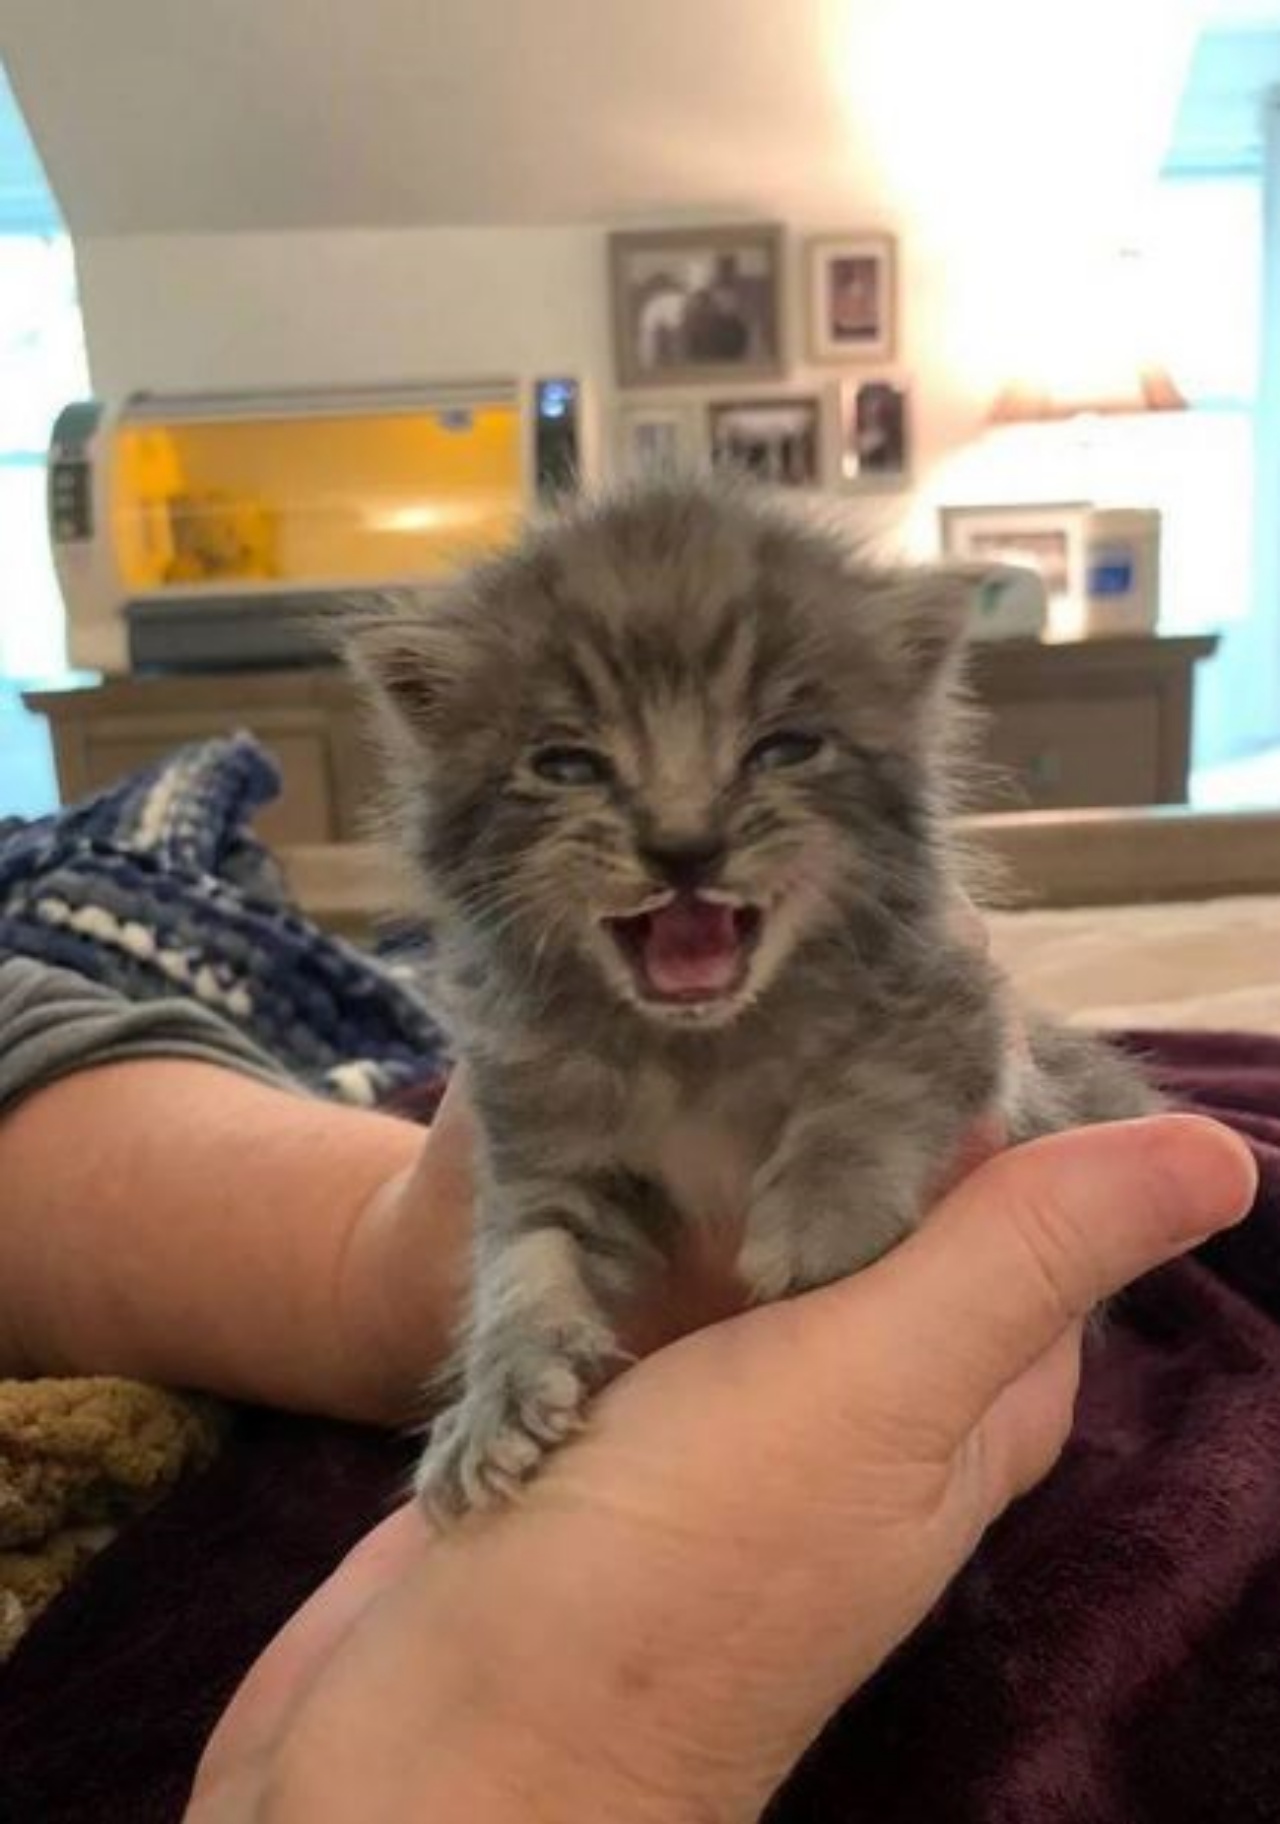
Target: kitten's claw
483 1449
765 1267
774 1264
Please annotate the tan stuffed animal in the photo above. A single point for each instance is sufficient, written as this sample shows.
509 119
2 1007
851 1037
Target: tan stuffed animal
77 1459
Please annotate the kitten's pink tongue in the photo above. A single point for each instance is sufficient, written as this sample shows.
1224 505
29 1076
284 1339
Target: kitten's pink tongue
690 948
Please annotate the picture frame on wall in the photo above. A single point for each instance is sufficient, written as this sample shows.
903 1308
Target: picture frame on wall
851 297
873 416
779 439
1047 538
697 306
659 438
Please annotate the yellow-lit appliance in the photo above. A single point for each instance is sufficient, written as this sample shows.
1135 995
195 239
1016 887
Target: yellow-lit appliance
202 531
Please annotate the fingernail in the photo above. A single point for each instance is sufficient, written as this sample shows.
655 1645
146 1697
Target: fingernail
1212 1174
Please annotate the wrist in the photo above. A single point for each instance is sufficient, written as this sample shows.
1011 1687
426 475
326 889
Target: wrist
564 1676
501 1710
490 1772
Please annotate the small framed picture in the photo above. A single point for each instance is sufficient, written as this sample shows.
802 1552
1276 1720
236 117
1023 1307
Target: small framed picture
659 439
697 305
779 440
1049 539
875 434
852 297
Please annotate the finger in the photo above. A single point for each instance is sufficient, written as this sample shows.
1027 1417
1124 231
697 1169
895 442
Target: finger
985 1138
1025 1429
1027 1246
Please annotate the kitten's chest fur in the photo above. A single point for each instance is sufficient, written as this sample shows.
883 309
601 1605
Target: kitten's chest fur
703 1150
705 1122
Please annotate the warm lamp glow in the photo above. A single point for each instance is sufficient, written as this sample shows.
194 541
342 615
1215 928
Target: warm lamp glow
1143 389
1087 349
1015 126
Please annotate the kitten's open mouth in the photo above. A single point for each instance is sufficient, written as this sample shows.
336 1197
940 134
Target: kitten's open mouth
690 949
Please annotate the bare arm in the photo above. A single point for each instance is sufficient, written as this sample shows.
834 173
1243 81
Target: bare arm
180 1222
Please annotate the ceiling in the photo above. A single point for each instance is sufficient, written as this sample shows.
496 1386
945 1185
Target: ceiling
166 116
156 116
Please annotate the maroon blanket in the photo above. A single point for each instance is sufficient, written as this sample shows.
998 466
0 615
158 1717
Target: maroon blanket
1112 1655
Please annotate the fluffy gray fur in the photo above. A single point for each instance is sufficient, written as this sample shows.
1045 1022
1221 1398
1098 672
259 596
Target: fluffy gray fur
669 631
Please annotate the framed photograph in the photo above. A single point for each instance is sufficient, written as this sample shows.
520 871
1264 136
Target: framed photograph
875 434
1049 539
659 440
852 297
780 440
697 305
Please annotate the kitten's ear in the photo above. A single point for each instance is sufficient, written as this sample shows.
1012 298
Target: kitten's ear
925 614
404 648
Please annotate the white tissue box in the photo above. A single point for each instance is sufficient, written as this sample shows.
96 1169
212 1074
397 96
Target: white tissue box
1009 603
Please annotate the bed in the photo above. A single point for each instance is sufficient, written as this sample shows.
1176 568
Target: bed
1155 919
1190 935
1110 1654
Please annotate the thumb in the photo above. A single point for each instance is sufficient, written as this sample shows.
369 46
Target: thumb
1026 1247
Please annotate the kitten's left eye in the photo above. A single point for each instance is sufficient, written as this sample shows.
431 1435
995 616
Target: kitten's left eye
789 747
564 764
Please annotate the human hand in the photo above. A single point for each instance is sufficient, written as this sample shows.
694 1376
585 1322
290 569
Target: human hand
753 1519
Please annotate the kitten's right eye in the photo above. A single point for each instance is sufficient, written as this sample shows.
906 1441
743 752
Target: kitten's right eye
788 747
566 765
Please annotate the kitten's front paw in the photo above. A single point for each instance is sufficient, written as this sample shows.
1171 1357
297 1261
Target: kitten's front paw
780 1261
774 1263
481 1450
765 1267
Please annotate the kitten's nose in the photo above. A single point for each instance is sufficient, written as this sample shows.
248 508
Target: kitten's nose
686 864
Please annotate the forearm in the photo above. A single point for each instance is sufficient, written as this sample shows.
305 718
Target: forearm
179 1222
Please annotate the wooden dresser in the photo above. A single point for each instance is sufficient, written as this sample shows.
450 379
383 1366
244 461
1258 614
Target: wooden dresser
1093 722
1100 722
309 720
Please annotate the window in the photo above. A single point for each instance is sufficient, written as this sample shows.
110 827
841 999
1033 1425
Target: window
1202 259
1222 189
1188 295
42 367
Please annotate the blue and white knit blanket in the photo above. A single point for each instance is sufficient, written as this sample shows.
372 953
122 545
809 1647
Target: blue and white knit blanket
156 887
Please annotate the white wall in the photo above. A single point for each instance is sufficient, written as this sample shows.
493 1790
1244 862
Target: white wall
176 312
263 195
228 310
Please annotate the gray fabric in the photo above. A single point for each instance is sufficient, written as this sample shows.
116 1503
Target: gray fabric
53 1022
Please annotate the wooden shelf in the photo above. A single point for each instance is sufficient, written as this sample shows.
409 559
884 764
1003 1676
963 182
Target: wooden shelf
1101 722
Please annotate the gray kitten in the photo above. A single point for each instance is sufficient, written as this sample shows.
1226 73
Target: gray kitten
675 774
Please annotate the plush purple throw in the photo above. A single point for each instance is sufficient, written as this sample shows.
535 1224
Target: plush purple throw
1111 1656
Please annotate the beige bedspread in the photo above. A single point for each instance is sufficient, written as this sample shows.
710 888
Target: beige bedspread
1212 964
